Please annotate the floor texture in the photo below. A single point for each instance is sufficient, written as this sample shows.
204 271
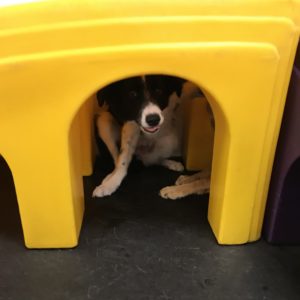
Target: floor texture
135 245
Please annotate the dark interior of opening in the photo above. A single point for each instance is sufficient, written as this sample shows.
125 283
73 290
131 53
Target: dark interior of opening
10 224
137 213
297 58
141 186
290 215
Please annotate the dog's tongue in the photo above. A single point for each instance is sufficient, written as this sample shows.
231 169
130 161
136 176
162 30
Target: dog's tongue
151 129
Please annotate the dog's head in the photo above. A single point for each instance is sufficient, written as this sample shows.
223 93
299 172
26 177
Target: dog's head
141 98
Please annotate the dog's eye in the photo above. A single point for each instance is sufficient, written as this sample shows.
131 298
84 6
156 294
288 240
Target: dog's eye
133 94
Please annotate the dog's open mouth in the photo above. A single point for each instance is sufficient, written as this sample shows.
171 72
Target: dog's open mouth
150 129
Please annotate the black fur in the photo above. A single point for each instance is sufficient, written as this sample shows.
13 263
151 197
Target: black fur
126 98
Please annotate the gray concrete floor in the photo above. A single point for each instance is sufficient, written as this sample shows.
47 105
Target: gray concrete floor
135 245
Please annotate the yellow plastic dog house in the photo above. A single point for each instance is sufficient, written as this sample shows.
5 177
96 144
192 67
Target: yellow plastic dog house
54 55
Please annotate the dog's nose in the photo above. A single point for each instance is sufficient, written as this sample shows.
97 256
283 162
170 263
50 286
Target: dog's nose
152 119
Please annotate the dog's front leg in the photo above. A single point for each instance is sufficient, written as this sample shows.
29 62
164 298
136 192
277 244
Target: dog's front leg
129 138
183 179
109 131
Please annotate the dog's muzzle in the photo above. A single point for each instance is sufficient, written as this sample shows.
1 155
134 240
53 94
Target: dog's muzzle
153 123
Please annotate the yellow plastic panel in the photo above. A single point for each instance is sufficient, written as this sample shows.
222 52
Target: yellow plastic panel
53 12
65 97
198 135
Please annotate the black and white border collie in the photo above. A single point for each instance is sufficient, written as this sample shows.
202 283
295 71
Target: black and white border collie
141 116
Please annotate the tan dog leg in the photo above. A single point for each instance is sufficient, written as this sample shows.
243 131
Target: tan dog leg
199 187
109 131
190 178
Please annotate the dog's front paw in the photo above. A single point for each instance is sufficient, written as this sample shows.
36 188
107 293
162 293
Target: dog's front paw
173 165
182 179
103 190
170 192
177 166
109 185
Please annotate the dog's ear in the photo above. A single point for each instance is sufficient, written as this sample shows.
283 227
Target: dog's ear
179 85
176 84
100 98
105 95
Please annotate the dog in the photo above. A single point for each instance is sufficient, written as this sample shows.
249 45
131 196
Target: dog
138 116
141 116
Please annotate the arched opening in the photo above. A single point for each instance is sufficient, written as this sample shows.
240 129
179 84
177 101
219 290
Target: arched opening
144 183
10 224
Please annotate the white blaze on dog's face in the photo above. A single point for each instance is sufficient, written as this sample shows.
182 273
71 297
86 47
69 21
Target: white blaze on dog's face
141 98
151 118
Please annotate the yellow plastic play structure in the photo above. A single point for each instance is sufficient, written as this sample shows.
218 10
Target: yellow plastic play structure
198 135
55 55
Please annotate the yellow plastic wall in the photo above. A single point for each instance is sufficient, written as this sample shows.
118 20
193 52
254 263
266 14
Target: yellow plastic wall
198 135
